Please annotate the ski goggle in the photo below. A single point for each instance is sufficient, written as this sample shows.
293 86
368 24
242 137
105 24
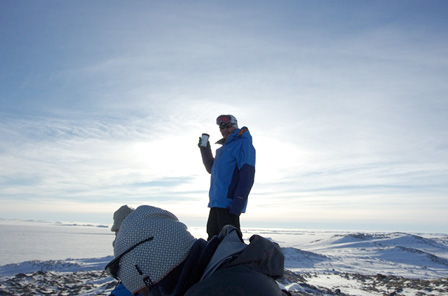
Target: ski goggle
113 266
223 119
225 125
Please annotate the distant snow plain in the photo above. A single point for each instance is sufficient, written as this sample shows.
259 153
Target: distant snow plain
50 258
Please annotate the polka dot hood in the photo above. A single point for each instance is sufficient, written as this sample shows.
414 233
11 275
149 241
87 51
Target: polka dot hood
151 261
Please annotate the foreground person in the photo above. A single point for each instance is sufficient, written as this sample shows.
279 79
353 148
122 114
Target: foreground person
156 255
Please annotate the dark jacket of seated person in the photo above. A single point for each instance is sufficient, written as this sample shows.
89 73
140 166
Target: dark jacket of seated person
156 255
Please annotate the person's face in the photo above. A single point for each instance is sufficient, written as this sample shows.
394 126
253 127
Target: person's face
226 131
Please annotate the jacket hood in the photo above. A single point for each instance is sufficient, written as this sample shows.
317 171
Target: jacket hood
238 133
205 258
262 255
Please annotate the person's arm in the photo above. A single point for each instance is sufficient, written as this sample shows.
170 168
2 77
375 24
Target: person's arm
207 157
246 179
247 176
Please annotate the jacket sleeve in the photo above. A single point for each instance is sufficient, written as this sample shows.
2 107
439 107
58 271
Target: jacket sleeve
207 158
120 290
246 178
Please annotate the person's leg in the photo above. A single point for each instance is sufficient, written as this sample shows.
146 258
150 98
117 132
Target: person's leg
212 224
225 218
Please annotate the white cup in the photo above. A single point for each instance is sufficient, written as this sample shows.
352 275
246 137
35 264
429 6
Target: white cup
204 140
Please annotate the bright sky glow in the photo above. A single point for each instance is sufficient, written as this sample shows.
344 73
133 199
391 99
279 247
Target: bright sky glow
102 104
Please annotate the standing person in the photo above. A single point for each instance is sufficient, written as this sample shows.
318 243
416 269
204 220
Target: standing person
119 216
156 255
232 174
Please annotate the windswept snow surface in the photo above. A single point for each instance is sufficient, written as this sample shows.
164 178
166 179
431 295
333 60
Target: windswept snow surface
68 259
400 254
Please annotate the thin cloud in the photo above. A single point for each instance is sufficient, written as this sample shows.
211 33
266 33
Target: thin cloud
346 105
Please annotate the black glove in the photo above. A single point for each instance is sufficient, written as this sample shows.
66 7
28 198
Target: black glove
202 147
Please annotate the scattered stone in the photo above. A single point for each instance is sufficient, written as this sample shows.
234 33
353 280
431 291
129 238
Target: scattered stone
99 283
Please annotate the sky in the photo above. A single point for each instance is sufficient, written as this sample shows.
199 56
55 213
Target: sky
102 103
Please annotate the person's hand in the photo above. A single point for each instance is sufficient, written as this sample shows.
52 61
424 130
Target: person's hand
202 147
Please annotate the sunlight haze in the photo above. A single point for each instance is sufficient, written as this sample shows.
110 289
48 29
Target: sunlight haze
103 102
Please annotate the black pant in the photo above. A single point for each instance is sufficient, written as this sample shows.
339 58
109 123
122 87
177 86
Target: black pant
218 218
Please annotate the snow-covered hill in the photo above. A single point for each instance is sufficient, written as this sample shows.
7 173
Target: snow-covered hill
316 263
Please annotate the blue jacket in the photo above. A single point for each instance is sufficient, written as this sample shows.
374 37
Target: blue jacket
232 171
120 290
